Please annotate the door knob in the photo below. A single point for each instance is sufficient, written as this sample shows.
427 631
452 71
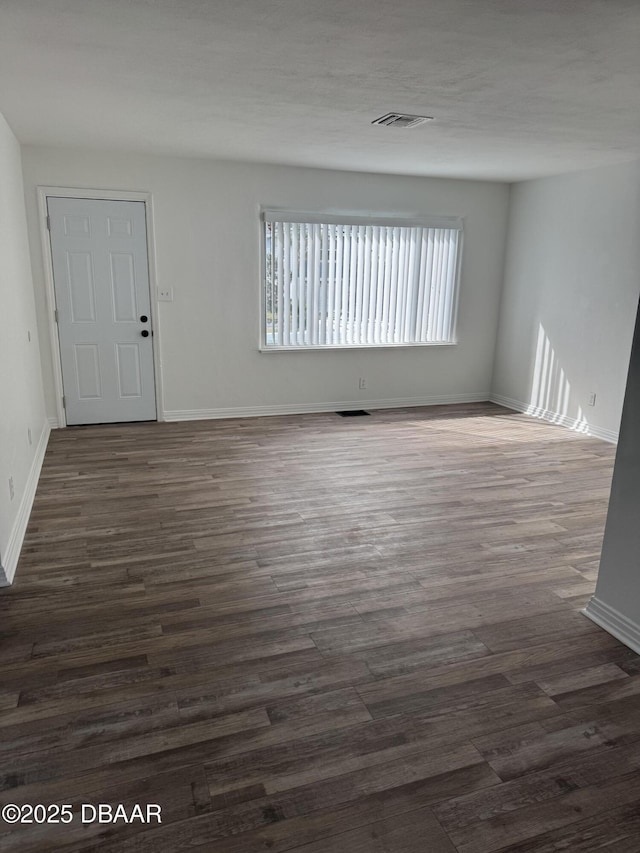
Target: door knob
145 333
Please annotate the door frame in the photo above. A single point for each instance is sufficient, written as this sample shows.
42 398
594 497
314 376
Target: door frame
45 192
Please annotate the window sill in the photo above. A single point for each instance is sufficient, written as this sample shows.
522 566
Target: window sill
324 347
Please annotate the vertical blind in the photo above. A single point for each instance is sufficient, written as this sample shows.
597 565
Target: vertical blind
358 284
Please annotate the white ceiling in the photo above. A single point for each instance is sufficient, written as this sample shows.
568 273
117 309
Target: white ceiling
518 88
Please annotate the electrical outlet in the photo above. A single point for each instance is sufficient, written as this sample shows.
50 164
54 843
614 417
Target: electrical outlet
362 383
592 399
165 294
29 435
12 491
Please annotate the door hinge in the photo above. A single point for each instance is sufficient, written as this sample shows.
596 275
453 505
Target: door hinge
48 223
64 402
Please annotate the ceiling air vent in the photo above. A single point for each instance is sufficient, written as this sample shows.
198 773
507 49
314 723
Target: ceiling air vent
401 120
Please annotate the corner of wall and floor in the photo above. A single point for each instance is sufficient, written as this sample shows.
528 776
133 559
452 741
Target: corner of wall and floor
11 553
615 605
24 428
569 298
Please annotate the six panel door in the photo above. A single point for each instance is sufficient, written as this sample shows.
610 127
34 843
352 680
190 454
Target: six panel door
101 277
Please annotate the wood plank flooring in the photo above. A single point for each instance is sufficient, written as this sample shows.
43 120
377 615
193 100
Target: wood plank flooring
320 635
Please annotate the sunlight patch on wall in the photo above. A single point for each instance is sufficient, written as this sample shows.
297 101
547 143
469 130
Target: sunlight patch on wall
550 388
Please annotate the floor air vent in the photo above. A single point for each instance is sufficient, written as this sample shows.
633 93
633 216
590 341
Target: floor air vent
354 413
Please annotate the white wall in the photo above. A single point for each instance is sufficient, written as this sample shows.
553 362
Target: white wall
616 603
206 232
572 278
21 394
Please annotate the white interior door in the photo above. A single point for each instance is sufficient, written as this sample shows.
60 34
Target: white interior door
101 278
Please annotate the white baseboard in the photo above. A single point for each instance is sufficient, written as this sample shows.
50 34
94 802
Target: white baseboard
10 557
53 423
308 408
618 625
555 418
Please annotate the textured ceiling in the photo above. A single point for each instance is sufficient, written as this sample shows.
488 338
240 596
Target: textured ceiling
518 88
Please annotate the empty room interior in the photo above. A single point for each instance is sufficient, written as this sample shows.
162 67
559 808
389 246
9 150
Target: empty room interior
319 426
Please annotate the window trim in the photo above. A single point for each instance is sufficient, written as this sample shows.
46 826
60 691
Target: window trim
273 214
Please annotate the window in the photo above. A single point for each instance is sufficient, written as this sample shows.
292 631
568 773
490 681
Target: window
345 282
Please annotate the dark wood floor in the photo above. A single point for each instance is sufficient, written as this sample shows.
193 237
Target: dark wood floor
320 635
